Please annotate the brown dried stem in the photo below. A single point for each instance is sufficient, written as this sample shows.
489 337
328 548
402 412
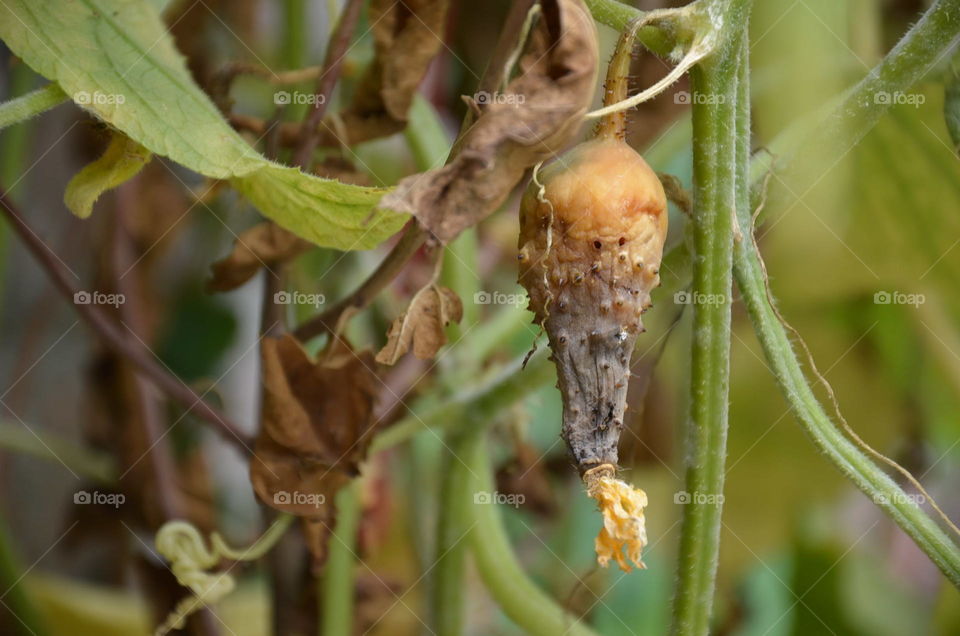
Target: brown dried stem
115 339
336 51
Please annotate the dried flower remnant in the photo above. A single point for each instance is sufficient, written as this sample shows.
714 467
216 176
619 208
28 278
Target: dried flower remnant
624 534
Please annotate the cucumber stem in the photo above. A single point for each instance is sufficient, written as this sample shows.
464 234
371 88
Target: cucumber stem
617 84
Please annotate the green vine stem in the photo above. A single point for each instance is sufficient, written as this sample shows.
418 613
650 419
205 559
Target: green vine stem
447 597
928 41
619 16
338 589
32 104
518 597
830 134
715 196
846 456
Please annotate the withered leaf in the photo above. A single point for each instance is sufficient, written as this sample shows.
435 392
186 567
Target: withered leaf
539 112
263 244
433 308
317 422
406 36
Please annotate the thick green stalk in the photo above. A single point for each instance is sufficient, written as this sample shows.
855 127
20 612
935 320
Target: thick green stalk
336 616
518 596
447 591
715 156
618 15
426 136
447 596
614 14
32 104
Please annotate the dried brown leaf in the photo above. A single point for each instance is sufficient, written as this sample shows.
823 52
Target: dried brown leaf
407 36
422 325
538 113
317 422
264 244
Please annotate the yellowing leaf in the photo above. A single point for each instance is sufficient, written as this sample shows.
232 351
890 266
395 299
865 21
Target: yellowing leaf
121 161
116 59
432 309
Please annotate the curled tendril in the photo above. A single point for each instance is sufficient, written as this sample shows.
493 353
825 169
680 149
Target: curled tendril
180 543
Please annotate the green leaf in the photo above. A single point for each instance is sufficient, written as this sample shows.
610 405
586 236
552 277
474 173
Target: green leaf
347 218
121 161
116 59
